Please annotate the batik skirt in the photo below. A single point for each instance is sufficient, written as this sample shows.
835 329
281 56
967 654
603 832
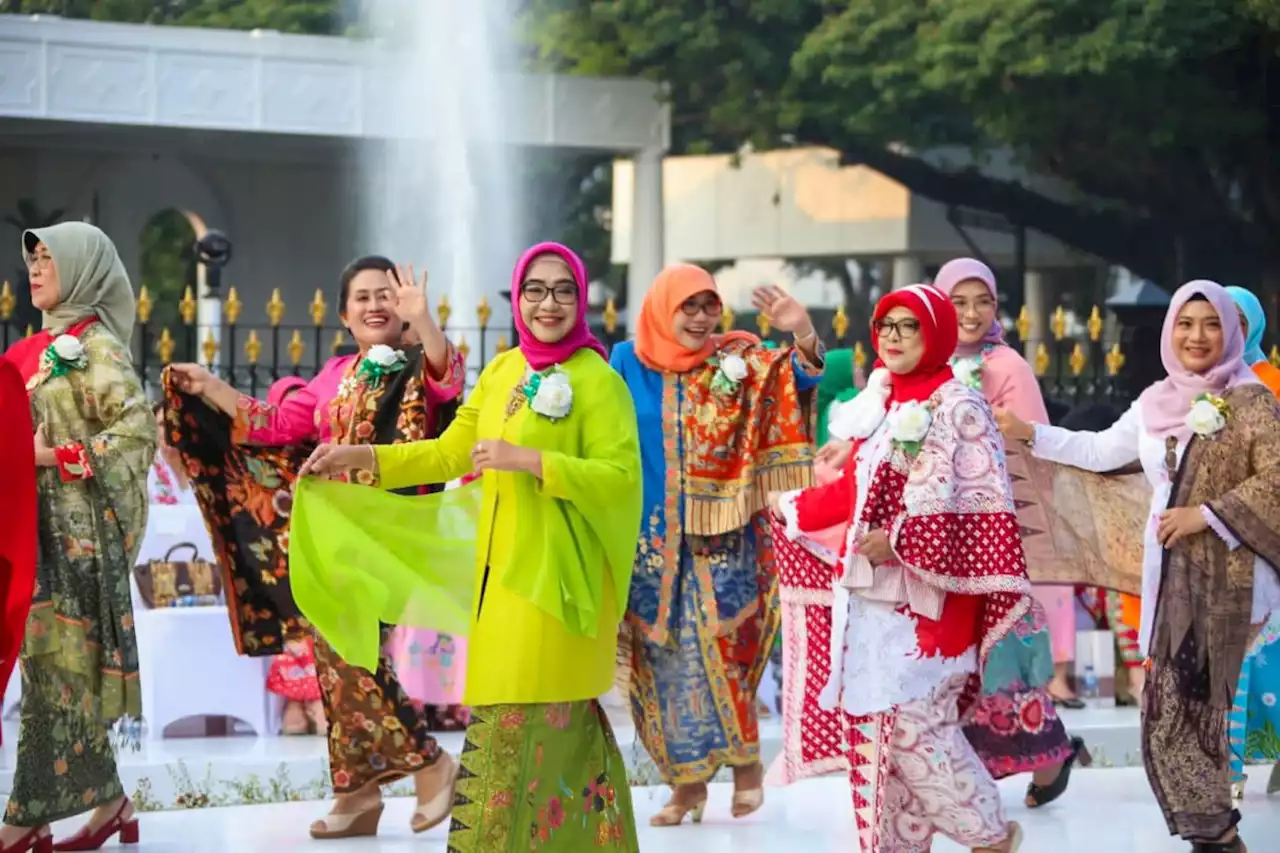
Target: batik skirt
693 697
545 777
1014 728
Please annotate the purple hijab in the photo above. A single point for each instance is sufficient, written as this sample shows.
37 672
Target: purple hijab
539 355
957 272
1166 403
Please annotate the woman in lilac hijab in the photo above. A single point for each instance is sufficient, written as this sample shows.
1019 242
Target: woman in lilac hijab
1208 439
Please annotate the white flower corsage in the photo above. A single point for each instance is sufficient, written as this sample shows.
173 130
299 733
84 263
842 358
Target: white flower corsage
381 360
969 371
908 425
731 369
65 354
549 393
1208 415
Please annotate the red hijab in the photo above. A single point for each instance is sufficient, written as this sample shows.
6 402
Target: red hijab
940 329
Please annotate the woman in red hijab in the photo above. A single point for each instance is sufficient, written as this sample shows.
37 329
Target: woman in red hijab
931 577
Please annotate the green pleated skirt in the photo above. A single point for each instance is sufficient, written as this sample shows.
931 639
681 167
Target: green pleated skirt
544 777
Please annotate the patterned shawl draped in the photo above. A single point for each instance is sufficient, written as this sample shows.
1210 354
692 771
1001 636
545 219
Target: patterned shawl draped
1202 623
245 491
724 454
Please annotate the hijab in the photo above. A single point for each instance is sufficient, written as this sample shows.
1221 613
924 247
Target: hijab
939 328
542 355
656 344
957 272
1165 404
836 386
1252 310
91 276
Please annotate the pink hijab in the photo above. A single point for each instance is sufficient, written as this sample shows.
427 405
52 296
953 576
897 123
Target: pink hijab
957 272
539 355
1166 403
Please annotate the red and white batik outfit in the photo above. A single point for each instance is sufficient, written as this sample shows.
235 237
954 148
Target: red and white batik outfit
910 635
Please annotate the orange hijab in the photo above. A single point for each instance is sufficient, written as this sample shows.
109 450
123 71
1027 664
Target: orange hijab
656 343
1269 376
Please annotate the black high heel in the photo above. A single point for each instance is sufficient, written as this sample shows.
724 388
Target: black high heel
1235 845
1038 795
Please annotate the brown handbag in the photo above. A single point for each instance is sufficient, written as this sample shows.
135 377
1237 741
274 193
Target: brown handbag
162 583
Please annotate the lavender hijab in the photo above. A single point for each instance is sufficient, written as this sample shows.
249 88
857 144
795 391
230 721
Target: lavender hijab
540 355
957 272
1166 403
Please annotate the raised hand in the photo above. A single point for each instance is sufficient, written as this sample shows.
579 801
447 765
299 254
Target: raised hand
411 298
193 379
783 310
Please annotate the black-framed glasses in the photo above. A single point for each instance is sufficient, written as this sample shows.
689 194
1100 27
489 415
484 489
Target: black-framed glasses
562 294
710 305
904 329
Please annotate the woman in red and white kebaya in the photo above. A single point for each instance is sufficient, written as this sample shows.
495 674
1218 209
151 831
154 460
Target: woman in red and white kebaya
930 578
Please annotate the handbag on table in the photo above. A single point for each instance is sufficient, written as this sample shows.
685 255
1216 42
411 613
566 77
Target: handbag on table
176 583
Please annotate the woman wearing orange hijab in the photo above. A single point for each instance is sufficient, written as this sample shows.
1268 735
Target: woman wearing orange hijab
723 421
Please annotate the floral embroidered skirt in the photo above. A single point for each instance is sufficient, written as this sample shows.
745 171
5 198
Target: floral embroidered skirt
546 777
1014 728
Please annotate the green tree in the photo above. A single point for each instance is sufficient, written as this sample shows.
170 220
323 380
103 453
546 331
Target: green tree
1153 120
319 17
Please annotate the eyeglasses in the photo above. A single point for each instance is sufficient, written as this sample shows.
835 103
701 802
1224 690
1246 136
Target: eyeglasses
42 262
563 294
710 306
905 329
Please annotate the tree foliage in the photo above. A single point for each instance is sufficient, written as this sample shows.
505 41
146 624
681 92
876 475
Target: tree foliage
319 17
1154 121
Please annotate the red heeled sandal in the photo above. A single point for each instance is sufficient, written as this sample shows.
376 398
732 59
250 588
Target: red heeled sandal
38 840
87 840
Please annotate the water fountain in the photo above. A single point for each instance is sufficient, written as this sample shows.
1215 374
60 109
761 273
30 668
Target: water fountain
442 193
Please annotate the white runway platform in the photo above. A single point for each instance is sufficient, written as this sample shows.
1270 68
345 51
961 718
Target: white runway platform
1109 811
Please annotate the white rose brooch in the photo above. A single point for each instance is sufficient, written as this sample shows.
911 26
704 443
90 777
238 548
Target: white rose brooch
1208 415
65 354
908 425
731 369
381 361
549 393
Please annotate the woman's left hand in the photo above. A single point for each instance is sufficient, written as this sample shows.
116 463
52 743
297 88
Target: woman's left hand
1179 523
494 454
783 310
411 298
875 547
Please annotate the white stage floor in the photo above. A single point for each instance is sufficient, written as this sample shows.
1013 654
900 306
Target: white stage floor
1110 812
181 773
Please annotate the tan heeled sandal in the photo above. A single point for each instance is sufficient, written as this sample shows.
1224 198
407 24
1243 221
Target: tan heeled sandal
361 824
1012 841
748 801
436 810
672 814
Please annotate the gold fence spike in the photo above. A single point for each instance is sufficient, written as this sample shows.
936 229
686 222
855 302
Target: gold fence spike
338 339
464 349
859 355
610 316
763 324
275 308
1023 324
187 307
144 305
30 331
1058 325
443 310
296 348
253 347
165 346
231 307
502 345
727 319
840 323
1041 365
319 308
1115 360
1078 360
210 347
1095 324
1274 356
484 312
8 302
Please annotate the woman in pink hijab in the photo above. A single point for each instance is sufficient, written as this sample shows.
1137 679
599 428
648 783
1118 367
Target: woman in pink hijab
1208 439
1016 728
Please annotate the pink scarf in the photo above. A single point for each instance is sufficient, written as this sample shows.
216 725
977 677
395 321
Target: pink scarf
540 355
1166 403
957 272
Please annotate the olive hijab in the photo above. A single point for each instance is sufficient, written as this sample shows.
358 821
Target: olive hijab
91 277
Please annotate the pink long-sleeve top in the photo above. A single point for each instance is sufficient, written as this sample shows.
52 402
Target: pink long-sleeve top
304 415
